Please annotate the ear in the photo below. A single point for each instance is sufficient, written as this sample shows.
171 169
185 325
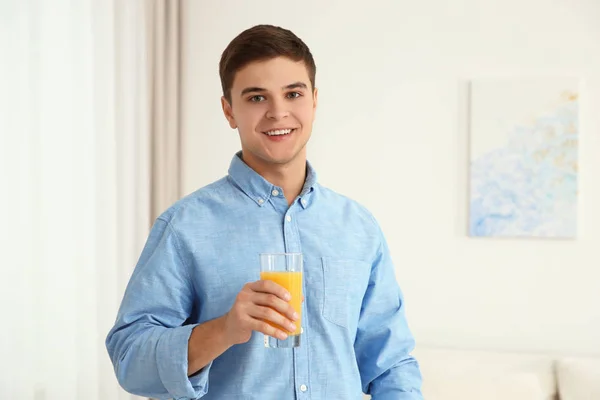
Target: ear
228 112
315 101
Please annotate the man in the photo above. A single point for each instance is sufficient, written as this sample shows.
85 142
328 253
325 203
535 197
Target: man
192 320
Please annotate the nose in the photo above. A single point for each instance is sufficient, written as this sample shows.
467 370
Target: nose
277 110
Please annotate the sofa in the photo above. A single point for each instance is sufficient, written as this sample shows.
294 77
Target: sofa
485 375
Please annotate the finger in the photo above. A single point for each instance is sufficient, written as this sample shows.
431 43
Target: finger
267 329
274 302
270 315
266 286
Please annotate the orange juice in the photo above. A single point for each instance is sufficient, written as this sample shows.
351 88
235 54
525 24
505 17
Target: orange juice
292 282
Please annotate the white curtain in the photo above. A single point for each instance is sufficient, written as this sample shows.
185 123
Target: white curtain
74 189
163 33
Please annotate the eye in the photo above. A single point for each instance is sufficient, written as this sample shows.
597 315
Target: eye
294 95
257 98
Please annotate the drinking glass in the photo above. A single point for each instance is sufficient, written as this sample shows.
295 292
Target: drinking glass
284 269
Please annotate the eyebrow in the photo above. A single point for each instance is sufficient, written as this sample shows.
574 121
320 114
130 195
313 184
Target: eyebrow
295 85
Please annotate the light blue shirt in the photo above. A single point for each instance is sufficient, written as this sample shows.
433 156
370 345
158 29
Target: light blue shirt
201 252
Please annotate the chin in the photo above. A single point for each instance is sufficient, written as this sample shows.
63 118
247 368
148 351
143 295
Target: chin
282 159
278 160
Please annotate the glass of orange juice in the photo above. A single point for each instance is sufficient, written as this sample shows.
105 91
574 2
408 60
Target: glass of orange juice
285 269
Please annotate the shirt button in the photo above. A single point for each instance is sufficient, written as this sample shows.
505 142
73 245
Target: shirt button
303 388
301 330
260 201
288 218
303 202
275 192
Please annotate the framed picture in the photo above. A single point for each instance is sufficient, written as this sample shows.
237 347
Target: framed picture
523 157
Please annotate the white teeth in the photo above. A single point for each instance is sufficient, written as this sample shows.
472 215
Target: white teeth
279 132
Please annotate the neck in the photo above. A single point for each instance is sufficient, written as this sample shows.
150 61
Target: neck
289 176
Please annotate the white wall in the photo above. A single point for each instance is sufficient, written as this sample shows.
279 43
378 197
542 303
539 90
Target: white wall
389 133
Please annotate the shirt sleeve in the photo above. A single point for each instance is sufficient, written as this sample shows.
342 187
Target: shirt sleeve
149 342
384 341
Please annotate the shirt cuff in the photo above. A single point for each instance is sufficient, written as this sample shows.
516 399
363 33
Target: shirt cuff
172 361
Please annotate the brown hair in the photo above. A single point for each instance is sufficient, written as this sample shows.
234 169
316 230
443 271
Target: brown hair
261 43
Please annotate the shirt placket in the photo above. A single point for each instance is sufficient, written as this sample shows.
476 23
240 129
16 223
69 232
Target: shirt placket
300 354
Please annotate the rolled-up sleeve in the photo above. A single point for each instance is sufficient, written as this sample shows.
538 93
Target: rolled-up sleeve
148 344
384 341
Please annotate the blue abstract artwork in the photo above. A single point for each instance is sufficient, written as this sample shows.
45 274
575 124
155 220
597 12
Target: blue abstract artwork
524 157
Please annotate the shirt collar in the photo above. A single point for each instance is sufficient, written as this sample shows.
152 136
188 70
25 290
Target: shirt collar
259 189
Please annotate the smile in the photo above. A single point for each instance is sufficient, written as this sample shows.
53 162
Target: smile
279 132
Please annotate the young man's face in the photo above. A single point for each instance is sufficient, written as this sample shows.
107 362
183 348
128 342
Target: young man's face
273 107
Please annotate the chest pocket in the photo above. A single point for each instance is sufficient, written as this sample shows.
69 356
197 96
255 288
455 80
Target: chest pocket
344 283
